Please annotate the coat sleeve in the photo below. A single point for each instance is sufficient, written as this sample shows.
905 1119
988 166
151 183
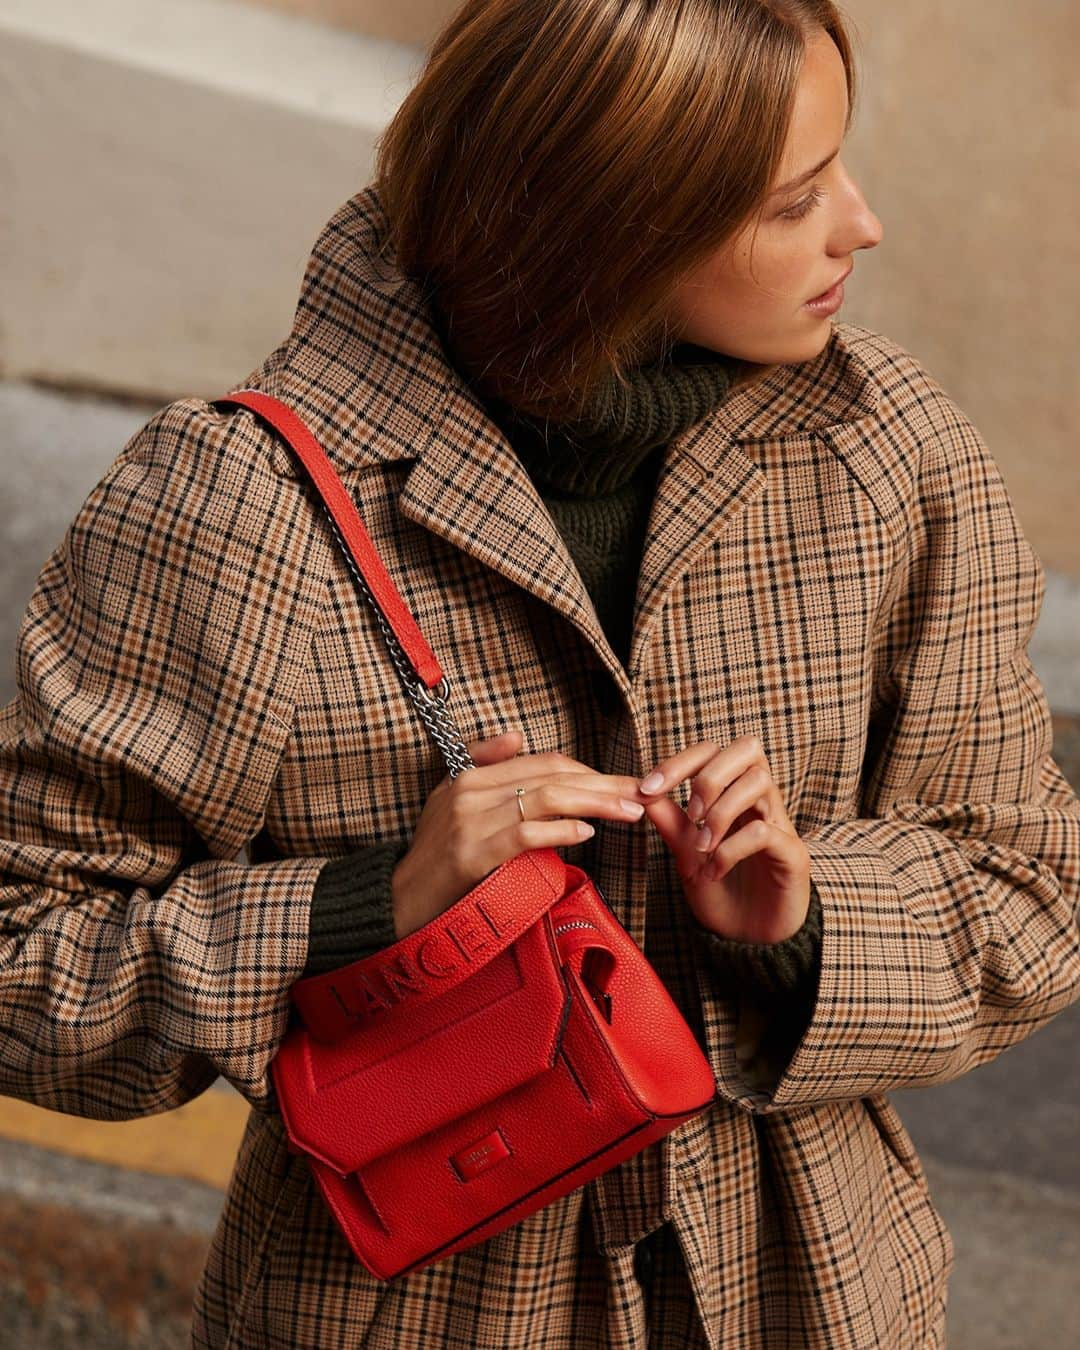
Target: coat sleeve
157 665
950 904
774 985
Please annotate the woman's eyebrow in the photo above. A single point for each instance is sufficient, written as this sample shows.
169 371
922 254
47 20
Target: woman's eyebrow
803 177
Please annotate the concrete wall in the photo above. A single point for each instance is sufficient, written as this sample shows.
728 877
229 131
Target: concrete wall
169 166
147 246
412 21
968 142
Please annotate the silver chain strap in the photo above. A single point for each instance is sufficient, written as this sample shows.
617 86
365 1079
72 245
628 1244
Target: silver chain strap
431 704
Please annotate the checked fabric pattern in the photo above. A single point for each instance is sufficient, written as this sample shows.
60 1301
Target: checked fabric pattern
832 564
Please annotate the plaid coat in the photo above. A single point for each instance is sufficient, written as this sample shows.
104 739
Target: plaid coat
833 564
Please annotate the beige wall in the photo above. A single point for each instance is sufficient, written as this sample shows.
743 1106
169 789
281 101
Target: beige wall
403 20
159 205
966 142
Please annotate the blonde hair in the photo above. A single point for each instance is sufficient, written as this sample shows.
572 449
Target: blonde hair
557 167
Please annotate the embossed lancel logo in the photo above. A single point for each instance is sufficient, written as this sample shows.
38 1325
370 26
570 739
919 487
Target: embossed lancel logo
478 1157
402 977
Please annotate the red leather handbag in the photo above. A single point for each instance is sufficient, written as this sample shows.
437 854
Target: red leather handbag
511 1049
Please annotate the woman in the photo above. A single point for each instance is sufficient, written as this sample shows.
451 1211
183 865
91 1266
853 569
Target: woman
655 511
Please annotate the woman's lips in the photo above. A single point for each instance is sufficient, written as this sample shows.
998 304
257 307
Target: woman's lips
828 302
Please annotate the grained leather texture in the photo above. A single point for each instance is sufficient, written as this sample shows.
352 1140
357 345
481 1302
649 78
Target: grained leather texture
446 950
464 1077
503 1023
432 1124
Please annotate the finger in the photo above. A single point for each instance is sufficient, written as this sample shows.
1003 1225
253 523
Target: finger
736 760
757 837
501 753
485 751
509 768
678 833
505 746
568 795
533 771
726 763
492 749
752 793
509 840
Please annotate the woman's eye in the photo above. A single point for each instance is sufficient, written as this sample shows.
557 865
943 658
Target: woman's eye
804 207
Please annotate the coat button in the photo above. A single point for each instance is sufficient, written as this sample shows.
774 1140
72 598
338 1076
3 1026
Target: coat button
645 1256
605 693
643 1263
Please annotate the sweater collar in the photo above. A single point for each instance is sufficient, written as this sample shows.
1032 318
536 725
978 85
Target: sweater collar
601 450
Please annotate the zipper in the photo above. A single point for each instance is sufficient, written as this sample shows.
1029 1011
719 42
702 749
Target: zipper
598 996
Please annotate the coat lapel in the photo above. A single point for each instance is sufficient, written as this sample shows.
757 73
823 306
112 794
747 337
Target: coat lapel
469 486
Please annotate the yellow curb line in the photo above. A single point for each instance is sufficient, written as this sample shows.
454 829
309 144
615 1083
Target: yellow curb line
198 1140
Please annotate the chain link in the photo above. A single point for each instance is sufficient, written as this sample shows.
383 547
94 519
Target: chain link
431 704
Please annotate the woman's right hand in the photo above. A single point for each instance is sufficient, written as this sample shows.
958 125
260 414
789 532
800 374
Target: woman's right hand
471 824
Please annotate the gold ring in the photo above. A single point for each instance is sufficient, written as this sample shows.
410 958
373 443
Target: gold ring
520 792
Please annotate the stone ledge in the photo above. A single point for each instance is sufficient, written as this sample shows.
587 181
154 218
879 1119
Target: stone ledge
97 1256
70 1280
82 1263
197 1141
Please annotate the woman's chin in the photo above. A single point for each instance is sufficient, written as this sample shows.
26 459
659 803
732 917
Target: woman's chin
808 345
784 346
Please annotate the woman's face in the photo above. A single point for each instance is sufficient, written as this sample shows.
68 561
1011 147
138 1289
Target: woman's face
754 307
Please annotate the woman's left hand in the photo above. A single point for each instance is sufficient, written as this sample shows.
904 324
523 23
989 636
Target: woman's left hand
752 881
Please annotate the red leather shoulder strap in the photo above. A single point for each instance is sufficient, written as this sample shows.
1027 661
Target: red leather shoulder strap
491 916
353 534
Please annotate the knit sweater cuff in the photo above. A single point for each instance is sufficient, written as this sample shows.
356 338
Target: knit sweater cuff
352 913
768 970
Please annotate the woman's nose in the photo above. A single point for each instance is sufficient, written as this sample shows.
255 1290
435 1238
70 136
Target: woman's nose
872 229
858 228
866 229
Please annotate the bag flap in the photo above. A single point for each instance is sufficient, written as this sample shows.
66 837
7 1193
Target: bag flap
414 1068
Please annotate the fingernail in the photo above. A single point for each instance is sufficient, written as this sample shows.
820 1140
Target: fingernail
704 839
635 808
652 783
695 808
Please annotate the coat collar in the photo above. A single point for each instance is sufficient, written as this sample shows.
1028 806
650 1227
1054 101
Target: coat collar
366 369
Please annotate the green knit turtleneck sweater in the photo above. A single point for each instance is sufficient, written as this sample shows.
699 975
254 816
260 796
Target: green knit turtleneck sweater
604 449
597 476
